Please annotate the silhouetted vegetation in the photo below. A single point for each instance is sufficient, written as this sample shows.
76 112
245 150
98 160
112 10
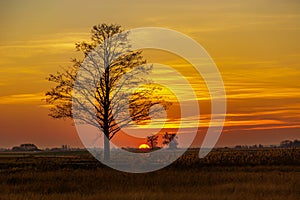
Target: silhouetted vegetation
223 174
152 141
26 147
289 143
170 139
44 161
104 84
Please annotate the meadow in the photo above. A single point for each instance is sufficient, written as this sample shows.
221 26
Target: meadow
223 174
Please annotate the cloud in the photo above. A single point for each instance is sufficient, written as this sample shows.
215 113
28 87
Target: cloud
22 98
49 44
272 127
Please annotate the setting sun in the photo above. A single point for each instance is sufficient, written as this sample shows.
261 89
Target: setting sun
144 146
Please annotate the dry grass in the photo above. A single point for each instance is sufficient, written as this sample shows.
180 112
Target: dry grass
51 178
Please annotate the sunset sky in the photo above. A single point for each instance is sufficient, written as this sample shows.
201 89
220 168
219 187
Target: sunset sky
255 44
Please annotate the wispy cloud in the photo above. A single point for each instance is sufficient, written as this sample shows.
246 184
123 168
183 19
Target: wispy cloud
51 44
22 98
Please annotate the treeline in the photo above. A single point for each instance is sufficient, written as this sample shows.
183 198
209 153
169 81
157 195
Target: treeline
283 144
290 143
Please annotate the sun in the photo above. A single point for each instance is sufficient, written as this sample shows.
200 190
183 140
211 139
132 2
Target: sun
144 146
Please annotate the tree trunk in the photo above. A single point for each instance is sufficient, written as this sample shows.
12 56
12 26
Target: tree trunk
106 148
106 108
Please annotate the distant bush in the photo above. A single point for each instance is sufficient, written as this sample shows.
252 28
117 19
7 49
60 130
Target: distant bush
289 143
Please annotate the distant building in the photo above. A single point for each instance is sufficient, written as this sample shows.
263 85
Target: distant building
25 147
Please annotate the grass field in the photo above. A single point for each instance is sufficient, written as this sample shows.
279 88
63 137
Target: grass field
223 174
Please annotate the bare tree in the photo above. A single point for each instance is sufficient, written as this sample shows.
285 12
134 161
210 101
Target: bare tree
152 140
110 67
170 139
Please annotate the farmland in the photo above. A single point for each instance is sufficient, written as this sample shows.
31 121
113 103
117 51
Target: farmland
223 174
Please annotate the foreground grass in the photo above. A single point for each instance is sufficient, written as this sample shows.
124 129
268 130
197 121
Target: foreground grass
219 183
60 178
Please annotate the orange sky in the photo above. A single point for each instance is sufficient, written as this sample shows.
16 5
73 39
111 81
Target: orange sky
255 44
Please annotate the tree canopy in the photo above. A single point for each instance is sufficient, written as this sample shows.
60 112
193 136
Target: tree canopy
110 68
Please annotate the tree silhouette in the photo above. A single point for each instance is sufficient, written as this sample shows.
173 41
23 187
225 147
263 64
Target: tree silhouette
289 143
170 139
152 141
110 67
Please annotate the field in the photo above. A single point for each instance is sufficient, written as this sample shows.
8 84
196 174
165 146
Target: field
223 174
